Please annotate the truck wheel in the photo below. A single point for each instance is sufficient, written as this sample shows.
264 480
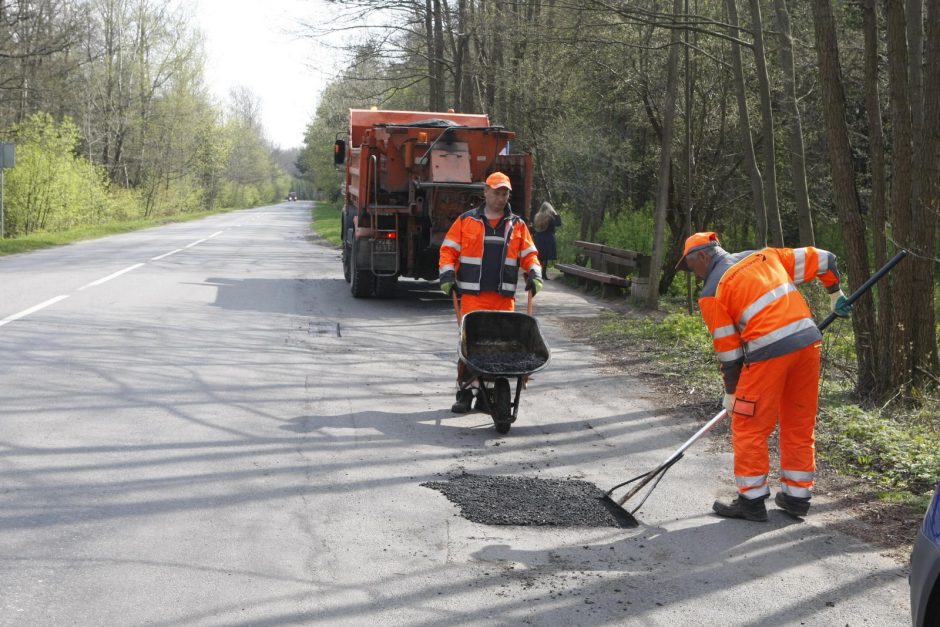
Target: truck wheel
385 286
347 253
502 412
361 281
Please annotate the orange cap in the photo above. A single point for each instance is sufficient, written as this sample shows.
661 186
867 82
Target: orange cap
696 242
497 180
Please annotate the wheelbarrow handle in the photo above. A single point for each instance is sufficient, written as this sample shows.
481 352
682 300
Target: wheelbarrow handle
453 296
530 304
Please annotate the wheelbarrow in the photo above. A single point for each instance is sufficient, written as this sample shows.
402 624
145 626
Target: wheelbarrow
496 347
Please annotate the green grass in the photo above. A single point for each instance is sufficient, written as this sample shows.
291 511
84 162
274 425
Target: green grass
327 221
40 240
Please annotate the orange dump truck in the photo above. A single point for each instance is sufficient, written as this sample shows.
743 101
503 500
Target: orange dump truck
409 174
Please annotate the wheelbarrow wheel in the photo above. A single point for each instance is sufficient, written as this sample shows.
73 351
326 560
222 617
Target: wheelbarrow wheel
502 410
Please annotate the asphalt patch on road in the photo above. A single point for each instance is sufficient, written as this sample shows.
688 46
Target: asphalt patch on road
506 500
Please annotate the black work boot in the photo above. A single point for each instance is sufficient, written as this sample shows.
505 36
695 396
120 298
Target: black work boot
741 507
793 505
464 399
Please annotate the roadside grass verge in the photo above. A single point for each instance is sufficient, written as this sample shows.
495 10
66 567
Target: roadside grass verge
894 448
327 221
40 240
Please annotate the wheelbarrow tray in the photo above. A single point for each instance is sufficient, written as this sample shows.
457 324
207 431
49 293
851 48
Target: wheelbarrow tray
502 344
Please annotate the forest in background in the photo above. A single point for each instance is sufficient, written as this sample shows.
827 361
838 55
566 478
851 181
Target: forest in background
107 105
772 123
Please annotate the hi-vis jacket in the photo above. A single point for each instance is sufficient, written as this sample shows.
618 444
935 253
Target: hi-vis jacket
753 309
481 258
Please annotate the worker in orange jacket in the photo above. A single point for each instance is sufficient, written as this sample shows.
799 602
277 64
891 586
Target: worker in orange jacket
481 255
768 347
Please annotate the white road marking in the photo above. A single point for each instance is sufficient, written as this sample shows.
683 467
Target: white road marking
33 309
159 257
53 301
111 276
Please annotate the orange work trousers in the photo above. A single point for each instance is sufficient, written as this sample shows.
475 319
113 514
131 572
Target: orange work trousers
784 389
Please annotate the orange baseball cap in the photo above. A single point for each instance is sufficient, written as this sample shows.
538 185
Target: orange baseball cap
696 242
497 180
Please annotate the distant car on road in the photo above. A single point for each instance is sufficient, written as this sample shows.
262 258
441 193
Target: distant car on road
925 568
291 196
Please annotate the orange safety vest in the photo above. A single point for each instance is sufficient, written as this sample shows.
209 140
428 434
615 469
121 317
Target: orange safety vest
462 253
753 309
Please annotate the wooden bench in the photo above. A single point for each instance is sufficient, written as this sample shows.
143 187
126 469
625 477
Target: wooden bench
609 267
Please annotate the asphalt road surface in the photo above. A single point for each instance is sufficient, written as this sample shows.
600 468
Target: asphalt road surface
200 426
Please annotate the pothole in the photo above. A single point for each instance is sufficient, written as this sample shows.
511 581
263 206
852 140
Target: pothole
507 500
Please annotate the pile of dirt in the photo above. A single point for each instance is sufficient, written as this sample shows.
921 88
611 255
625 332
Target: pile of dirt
848 504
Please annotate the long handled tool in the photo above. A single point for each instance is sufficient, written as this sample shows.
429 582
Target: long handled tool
658 472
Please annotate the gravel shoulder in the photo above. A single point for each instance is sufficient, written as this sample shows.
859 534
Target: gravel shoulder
844 503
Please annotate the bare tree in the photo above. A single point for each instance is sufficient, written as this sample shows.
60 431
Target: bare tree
744 123
790 106
665 160
844 190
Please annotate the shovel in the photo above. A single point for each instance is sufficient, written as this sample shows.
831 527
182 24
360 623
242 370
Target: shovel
658 472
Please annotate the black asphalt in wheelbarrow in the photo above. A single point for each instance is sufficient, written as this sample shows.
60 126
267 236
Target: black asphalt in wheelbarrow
495 347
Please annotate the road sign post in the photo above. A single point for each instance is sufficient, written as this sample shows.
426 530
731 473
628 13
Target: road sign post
7 160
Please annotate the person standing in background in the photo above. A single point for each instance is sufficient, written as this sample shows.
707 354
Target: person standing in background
543 226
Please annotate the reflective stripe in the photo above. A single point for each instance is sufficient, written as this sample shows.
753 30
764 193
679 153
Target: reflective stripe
732 355
471 260
750 482
823 264
799 475
512 262
799 265
754 493
527 251
493 239
452 244
464 285
763 301
802 493
508 287
779 334
725 331
447 267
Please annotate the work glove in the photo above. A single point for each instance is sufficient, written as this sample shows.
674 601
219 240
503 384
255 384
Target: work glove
728 402
533 285
447 288
839 306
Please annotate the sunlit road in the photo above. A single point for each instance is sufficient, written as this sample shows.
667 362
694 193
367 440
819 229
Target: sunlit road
200 426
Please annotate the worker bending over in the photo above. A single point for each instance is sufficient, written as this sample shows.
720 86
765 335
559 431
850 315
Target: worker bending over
481 254
769 349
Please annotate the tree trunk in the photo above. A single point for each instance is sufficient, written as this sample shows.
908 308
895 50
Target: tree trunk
774 227
794 127
438 61
926 210
844 191
429 47
665 157
876 149
902 287
744 120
